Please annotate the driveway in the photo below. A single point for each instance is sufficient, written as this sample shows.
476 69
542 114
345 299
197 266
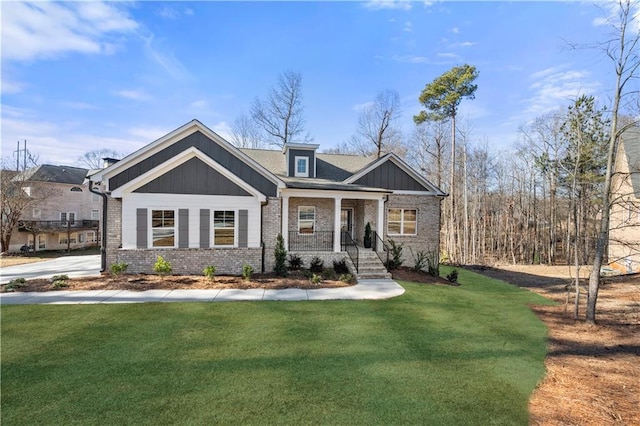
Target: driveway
73 266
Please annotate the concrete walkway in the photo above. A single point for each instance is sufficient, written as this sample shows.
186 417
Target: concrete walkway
365 289
73 266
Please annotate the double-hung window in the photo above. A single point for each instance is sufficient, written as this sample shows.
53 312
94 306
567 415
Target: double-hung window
306 219
402 221
68 216
224 227
163 228
301 167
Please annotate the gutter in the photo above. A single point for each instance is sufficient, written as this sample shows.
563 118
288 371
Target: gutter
103 240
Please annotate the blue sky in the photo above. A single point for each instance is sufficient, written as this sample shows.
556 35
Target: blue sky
91 75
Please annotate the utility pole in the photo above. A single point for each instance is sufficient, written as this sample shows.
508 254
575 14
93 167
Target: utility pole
24 151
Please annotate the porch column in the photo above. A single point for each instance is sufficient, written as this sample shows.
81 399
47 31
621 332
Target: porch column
336 224
285 220
380 220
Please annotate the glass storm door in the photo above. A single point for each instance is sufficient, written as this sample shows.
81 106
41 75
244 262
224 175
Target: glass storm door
346 224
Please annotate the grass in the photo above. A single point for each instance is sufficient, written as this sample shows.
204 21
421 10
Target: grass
436 355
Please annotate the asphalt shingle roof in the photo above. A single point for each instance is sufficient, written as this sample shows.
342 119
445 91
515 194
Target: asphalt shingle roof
56 174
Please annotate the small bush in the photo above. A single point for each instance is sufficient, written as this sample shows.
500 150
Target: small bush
316 265
346 278
396 255
329 274
295 262
420 259
118 268
60 281
340 266
316 279
453 276
280 254
162 267
15 284
209 272
307 273
247 272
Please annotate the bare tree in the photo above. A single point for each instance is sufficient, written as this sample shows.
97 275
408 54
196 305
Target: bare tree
281 115
17 195
623 50
95 159
378 131
245 133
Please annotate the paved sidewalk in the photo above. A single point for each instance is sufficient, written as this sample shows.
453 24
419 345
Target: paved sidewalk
365 289
73 266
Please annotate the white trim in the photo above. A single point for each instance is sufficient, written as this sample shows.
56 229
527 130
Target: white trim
322 193
150 227
178 160
212 236
296 173
173 137
402 222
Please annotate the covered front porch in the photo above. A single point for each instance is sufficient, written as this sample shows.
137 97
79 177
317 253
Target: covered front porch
328 220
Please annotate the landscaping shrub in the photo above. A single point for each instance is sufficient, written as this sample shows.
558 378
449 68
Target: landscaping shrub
340 266
209 272
329 274
295 262
420 259
60 281
162 267
118 268
396 255
247 272
15 284
316 279
316 265
280 254
453 276
346 278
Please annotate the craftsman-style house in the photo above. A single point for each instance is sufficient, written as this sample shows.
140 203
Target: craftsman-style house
197 200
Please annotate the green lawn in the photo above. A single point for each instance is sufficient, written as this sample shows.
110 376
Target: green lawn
436 355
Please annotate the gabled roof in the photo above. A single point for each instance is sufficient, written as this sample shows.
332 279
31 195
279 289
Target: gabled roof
176 135
55 174
393 158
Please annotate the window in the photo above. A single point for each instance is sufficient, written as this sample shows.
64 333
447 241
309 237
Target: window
27 190
302 167
81 238
68 216
36 213
42 242
73 238
402 221
95 214
306 219
76 189
95 198
91 237
163 228
224 227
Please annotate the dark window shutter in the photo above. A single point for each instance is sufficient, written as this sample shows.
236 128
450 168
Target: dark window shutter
243 228
141 228
205 228
183 228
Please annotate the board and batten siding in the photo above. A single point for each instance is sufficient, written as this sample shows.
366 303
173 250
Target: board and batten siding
200 141
390 176
190 207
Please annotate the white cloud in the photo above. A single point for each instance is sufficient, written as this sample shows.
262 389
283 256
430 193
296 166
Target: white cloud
10 86
78 105
448 55
148 134
173 12
199 104
362 106
455 30
134 94
223 129
408 27
467 44
165 58
44 30
555 86
388 4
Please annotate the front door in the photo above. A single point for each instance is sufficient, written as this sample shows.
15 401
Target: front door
346 224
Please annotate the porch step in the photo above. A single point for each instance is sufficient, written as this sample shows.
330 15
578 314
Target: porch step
370 266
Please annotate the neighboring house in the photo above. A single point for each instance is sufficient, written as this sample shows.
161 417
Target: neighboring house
66 215
624 233
197 200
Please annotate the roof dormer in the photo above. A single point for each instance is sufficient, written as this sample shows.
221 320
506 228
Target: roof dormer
301 159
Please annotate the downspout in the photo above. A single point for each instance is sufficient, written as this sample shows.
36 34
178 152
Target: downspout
103 240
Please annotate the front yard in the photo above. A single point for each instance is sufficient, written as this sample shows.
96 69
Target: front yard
436 355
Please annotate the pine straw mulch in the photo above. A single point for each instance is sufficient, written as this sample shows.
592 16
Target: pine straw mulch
593 372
